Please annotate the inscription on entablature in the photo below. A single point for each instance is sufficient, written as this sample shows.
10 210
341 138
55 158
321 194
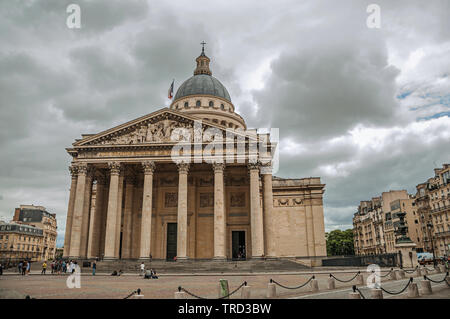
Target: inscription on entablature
237 199
206 199
170 200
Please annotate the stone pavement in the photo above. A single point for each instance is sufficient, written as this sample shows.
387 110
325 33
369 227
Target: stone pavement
205 285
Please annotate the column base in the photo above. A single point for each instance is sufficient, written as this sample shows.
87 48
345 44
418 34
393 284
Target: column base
144 258
258 257
73 257
182 258
110 258
271 258
219 258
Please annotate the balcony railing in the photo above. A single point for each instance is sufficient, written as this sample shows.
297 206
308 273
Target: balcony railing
440 209
443 234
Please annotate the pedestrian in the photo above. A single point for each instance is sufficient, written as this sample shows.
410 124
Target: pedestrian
142 269
74 266
94 267
70 266
64 266
24 267
19 267
44 268
28 267
52 265
1 269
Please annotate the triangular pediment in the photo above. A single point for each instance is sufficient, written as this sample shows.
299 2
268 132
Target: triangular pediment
156 127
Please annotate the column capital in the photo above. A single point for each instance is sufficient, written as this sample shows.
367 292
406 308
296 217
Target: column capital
253 165
82 169
218 167
115 168
73 169
183 167
149 167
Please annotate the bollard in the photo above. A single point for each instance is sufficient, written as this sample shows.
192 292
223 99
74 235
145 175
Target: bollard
426 287
331 283
245 294
394 275
138 294
223 288
180 295
271 290
354 294
314 285
376 293
413 291
360 279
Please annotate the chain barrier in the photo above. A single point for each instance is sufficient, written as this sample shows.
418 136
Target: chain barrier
398 293
355 289
332 276
223 297
411 271
382 276
285 287
437 281
138 291
242 285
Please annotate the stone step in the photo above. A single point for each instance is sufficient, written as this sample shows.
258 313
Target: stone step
193 266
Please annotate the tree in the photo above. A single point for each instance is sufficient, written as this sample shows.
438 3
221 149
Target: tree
340 242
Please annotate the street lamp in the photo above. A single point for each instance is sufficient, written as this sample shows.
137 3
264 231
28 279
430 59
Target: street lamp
430 226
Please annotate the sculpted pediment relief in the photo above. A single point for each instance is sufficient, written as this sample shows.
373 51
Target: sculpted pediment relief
164 127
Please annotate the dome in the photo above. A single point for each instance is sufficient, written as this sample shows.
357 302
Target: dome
202 84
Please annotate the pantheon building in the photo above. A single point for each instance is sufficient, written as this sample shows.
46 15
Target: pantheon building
130 198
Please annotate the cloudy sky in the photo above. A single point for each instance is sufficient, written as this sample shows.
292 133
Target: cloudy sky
367 110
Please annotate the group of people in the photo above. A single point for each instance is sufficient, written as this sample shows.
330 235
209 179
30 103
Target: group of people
24 267
59 266
148 274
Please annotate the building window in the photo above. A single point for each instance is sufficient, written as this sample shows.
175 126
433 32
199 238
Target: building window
222 107
186 104
198 103
211 104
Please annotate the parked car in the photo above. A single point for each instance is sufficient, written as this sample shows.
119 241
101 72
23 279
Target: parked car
425 258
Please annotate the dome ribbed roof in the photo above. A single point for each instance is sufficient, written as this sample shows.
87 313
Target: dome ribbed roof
202 84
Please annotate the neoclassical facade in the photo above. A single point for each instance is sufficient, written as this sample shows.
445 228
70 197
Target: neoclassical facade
132 196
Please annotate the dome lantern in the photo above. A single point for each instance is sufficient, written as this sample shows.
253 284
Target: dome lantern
202 63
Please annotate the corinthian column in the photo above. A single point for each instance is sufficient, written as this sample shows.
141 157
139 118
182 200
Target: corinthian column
256 218
73 188
86 213
183 169
266 172
78 209
96 219
146 220
127 217
219 212
111 219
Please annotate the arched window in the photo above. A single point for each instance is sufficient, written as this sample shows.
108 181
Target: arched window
222 107
186 104
198 103
211 103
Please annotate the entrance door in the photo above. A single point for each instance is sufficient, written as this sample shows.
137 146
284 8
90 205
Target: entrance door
171 250
238 250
